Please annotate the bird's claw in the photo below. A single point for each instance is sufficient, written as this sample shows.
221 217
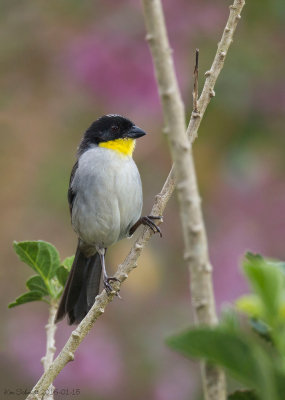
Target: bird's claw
148 221
108 287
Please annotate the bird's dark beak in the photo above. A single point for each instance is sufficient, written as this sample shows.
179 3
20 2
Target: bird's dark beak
135 132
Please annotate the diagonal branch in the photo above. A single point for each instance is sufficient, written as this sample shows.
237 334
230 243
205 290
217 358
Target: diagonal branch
67 353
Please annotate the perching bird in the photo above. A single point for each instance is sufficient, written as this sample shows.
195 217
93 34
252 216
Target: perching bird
105 201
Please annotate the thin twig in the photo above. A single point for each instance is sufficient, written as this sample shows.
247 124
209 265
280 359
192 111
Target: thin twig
196 79
67 353
50 346
212 74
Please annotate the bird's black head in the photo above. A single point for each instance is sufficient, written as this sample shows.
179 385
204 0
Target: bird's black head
109 127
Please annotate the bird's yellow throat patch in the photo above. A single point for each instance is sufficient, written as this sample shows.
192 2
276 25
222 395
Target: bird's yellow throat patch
123 146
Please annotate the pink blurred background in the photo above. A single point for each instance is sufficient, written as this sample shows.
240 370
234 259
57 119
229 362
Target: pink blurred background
63 64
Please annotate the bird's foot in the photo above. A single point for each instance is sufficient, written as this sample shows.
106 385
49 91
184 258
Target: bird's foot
109 289
148 221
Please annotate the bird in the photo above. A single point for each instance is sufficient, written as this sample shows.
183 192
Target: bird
105 202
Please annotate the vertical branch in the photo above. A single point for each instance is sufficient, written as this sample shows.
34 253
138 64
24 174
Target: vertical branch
50 346
194 233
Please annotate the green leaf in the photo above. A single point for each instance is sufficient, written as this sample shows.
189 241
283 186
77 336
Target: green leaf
278 264
62 275
267 281
63 270
41 256
26 298
226 349
36 283
280 383
67 262
245 360
251 305
243 395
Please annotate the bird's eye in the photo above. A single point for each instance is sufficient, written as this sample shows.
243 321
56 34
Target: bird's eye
114 128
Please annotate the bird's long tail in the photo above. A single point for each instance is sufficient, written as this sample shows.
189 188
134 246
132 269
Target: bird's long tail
81 288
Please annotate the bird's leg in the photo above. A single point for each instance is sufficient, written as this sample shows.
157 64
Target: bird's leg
107 279
148 221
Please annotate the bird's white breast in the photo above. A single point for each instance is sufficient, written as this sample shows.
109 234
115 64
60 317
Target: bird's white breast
108 196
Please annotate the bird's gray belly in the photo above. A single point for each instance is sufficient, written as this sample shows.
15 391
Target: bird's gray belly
108 197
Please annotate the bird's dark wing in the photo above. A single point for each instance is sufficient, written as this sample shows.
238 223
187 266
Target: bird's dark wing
71 194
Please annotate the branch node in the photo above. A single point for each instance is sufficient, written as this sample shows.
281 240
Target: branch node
149 37
196 114
101 309
71 356
208 73
196 229
208 267
52 349
182 146
222 54
200 303
238 17
212 93
182 185
43 359
195 200
188 256
167 92
138 246
227 29
232 7
75 334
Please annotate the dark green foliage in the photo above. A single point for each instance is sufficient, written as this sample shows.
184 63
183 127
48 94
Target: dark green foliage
51 276
62 274
41 256
33 295
243 395
37 283
63 270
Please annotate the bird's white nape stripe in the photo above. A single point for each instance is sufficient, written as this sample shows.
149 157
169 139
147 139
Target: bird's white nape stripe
112 115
